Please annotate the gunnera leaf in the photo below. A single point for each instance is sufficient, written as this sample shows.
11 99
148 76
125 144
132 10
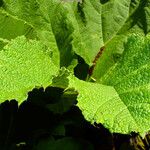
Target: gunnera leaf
83 27
122 103
120 19
24 65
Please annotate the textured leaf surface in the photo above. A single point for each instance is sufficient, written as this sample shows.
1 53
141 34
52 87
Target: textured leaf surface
102 104
24 65
126 107
131 79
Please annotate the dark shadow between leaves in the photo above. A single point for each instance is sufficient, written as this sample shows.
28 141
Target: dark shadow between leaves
104 1
24 128
81 70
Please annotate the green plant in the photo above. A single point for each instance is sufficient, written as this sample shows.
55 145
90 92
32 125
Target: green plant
58 46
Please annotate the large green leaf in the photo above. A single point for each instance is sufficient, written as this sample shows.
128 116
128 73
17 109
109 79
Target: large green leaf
125 106
102 104
24 65
136 56
136 21
83 27
130 77
96 23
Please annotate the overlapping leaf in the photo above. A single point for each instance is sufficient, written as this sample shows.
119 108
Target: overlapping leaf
50 22
83 27
125 106
24 65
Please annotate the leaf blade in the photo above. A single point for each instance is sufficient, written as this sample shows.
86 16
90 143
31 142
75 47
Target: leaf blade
24 66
